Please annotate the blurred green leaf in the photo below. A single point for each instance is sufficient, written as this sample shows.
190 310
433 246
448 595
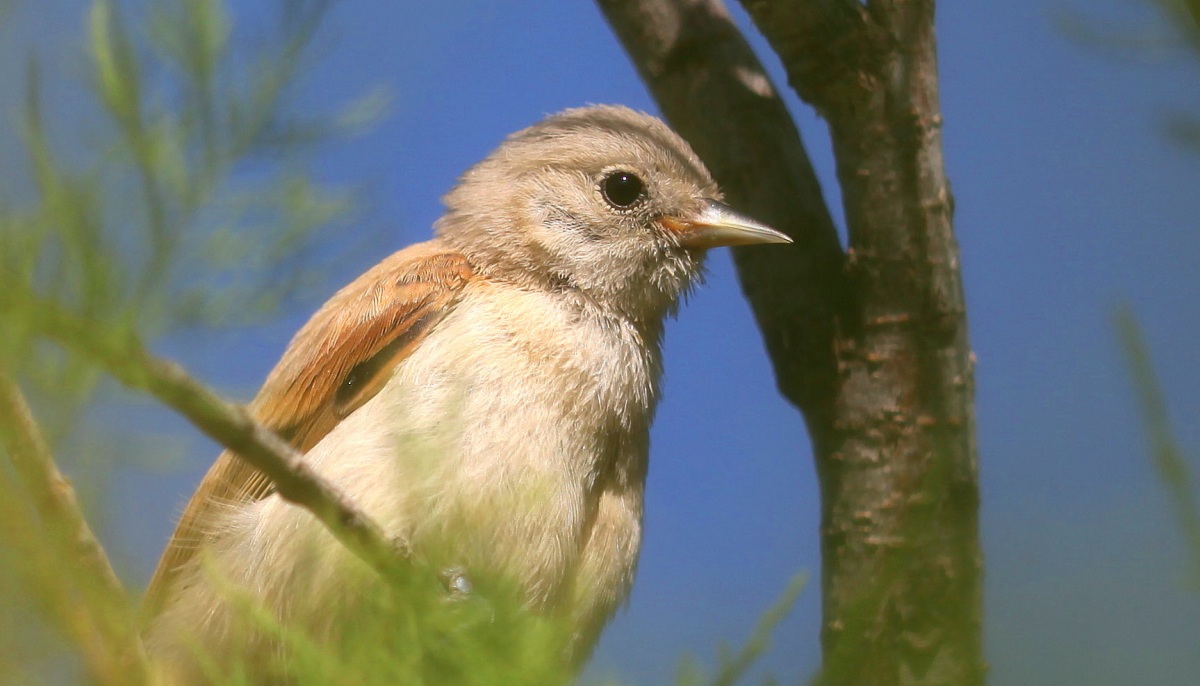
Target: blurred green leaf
1174 470
117 76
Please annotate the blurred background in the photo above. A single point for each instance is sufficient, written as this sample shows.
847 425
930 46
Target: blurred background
1069 136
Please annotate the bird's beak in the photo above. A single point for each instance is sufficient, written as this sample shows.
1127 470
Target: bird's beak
717 225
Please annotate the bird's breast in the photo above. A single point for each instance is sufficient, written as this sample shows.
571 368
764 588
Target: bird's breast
513 441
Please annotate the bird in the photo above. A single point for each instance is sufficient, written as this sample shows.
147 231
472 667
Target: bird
486 396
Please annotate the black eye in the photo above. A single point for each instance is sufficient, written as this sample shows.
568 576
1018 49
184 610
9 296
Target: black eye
622 189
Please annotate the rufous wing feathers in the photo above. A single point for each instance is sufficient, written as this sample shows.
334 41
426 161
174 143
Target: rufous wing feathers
335 363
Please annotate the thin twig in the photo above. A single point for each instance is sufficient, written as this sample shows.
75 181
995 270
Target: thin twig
124 357
41 580
102 610
52 493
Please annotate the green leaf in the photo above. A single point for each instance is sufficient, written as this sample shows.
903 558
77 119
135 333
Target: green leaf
116 69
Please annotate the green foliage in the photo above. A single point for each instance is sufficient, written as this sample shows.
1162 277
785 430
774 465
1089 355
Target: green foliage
1168 458
1169 25
172 194
195 209
732 667
1176 23
409 631
413 632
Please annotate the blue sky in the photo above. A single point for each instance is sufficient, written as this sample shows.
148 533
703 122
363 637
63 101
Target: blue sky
1070 200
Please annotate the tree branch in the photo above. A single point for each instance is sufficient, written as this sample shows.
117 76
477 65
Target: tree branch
99 608
716 94
876 356
899 477
828 47
124 357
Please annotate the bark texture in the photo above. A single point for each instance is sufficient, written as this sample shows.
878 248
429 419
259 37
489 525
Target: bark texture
870 344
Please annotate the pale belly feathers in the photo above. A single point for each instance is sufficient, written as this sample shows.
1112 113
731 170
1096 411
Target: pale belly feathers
504 445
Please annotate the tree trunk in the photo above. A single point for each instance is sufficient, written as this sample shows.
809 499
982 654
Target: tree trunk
871 345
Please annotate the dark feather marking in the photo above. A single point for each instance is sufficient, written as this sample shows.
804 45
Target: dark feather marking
364 373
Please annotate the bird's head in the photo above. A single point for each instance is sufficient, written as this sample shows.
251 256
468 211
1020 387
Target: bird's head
603 201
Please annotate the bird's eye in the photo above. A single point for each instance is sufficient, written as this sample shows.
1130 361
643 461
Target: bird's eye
622 189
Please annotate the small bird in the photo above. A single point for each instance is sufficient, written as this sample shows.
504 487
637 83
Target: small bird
485 396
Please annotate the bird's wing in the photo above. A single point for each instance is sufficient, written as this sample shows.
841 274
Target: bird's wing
334 364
